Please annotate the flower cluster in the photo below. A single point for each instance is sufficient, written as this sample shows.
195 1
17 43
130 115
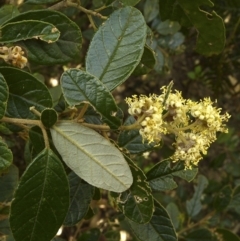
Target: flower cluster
194 124
13 56
149 111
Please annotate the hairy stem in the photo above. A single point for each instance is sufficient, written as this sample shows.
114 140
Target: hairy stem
82 112
18 121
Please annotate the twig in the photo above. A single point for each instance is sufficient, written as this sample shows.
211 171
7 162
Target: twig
45 136
34 111
92 22
82 112
67 3
190 226
135 125
96 127
57 6
18 121
101 8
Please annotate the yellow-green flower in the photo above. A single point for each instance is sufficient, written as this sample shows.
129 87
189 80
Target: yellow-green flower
194 124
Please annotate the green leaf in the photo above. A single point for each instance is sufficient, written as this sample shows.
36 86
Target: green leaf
147 62
28 152
56 93
61 105
227 235
150 10
91 116
160 227
79 86
210 26
49 117
223 198
7 12
160 58
171 42
16 31
25 91
174 214
91 235
194 205
3 96
6 156
235 202
37 140
132 140
161 175
8 183
137 202
188 174
80 197
92 157
41 200
4 129
168 27
64 50
201 235
117 47
40 1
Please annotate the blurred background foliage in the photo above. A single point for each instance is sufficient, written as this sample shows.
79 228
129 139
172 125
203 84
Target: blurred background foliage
170 54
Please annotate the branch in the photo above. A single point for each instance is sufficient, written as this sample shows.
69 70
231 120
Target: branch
67 3
18 121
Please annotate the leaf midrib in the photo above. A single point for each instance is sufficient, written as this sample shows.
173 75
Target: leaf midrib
44 185
116 48
96 106
60 132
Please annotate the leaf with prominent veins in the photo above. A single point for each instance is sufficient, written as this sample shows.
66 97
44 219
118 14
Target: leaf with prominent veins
79 86
117 47
92 157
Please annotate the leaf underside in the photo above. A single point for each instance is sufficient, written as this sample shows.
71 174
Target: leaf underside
92 157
